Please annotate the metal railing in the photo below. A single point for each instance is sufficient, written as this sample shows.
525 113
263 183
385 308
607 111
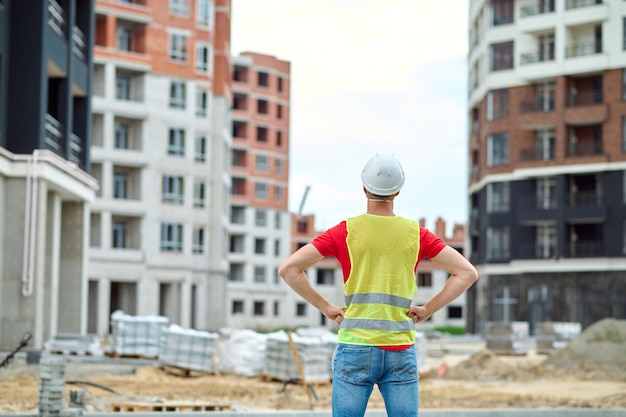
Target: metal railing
577 4
54 134
56 18
585 148
532 154
76 149
539 104
583 49
585 98
586 249
534 57
79 45
538 8
584 199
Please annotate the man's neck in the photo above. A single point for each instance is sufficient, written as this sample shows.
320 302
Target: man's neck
380 206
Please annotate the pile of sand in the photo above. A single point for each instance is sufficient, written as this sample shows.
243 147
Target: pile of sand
485 365
598 353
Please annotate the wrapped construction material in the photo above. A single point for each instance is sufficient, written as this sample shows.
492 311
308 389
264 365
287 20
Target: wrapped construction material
136 335
74 344
315 355
242 352
552 336
420 351
509 338
188 349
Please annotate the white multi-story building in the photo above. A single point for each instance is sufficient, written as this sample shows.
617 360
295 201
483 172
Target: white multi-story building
160 145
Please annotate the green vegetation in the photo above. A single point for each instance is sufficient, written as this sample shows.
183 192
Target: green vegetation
454 330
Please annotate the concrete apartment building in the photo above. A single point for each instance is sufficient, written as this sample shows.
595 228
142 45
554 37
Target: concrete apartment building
160 146
547 152
45 191
260 222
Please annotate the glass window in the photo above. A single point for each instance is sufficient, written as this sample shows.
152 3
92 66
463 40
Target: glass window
300 309
171 237
200 150
278 193
203 57
237 215
263 79
260 190
278 220
259 274
502 12
199 194
122 131
259 308
179 7
501 56
118 240
179 47
124 39
202 103
237 307
424 279
173 189
122 87
498 197
204 16
259 246
236 272
497 104
262 163
178 95
278 166
176 144
498 243
198 240
120 185
260 218
497 149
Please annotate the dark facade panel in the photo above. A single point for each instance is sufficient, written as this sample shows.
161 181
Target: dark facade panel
47 100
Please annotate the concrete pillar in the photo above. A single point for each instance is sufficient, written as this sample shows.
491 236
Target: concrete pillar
104 313
52 264
73 282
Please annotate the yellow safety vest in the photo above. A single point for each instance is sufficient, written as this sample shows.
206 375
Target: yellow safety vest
383 252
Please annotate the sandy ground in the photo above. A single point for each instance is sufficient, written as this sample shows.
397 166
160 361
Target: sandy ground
462 376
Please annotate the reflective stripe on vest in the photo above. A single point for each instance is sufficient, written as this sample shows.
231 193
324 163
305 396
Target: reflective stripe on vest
392 326
377 298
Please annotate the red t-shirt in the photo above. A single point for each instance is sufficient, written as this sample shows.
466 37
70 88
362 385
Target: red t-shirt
333 243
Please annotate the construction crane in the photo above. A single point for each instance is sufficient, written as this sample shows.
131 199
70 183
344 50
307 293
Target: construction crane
306 193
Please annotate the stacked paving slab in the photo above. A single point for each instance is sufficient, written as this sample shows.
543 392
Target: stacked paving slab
51 386
188 349
137 335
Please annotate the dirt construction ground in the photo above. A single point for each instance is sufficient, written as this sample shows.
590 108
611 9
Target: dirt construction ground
589 373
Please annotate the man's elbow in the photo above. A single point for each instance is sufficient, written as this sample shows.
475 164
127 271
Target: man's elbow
472 275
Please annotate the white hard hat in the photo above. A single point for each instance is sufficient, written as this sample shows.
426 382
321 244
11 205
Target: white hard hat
383 175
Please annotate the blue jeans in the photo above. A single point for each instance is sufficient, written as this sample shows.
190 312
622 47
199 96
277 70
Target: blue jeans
357 368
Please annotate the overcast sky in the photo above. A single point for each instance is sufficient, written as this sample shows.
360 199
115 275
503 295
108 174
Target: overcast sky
369 76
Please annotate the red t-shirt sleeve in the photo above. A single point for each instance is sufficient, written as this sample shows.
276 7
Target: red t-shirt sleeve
327 242
430 244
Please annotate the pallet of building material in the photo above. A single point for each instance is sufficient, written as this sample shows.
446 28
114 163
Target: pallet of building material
241 352
507 338
314 353
136 336
167 406
73 344
552 336
188 349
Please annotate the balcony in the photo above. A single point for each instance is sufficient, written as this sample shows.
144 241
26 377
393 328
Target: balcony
579 49
76 149
56 18
585 207
533 154
540 104
577 4
79 45
535 57
54 134
539 7
534 209
585 148
534 251
585 98
585 249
